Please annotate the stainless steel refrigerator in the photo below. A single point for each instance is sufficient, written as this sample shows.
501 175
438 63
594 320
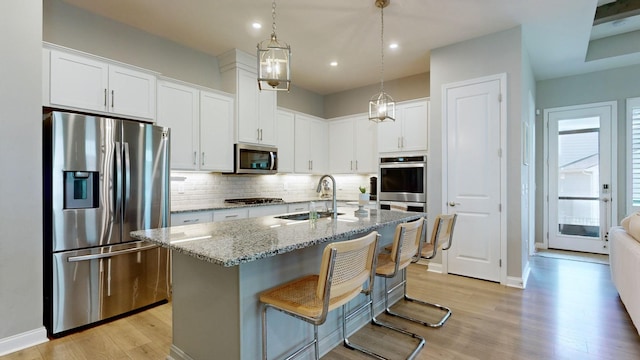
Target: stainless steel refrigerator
103 178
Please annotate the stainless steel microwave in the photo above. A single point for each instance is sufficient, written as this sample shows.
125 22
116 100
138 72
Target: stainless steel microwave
255 159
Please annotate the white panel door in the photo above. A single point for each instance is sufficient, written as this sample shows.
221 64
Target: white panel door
473 178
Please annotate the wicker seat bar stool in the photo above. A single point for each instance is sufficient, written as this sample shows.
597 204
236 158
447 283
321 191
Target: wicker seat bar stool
346 267
406 246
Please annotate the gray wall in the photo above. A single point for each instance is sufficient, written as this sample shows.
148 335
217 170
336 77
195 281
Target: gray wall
356 101
75 28
610 85
21 164
488 55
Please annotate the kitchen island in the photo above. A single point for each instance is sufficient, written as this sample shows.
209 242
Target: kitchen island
219 269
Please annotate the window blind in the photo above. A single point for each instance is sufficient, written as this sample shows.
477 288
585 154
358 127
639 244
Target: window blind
635 154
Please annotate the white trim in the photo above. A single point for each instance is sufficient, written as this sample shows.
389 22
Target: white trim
22 341
515 282
502 78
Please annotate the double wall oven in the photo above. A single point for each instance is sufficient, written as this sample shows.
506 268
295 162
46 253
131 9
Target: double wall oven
403 183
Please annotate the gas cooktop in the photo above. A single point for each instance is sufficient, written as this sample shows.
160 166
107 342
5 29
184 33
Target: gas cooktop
257 200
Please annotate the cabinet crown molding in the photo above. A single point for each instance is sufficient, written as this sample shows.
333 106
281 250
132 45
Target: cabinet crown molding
235 58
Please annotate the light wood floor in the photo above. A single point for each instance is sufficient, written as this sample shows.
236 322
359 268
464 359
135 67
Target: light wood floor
570 310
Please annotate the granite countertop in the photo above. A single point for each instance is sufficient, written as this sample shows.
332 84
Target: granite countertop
231 243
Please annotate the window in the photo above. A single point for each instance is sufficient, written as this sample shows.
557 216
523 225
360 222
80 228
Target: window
633 154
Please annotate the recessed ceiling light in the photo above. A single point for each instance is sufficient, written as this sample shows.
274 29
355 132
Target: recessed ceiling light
256 25
333 63
393 46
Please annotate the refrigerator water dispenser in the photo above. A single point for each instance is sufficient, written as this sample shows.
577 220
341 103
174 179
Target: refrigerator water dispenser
79 189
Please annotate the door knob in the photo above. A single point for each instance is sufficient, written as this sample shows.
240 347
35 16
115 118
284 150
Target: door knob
451 203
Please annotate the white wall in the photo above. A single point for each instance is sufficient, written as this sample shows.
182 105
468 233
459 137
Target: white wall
487 55
21 179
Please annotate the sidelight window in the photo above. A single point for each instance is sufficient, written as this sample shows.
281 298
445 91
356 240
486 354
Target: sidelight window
633 154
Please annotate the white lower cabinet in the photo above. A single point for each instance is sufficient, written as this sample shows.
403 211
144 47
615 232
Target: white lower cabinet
230 214
267 210
191 217
298 207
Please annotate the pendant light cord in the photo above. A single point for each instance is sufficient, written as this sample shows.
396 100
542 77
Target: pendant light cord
273 15
382 48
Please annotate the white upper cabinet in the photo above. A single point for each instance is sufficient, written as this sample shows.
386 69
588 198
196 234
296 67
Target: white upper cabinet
285 136
201 125
95 85
409 131
255 110
178 109
216 132
311 145
352 145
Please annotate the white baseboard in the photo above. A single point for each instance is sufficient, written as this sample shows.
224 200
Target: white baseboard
515 282
22 341
175 353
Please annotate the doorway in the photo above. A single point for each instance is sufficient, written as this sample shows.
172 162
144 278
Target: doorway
581 176
474 176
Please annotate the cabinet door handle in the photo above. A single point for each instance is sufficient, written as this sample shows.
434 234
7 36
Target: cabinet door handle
202 159
231 216
257 134
351 164
260 134
356 165
195 156
105 97
311 161
112 97
190 221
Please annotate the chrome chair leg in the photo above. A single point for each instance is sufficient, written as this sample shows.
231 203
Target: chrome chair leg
376 322
403 283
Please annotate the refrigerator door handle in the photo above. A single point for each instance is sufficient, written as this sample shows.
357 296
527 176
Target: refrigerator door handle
127 177
110 254
117 191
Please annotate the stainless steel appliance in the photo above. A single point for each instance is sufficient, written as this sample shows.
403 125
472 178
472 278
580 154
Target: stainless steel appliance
255 159
103 178
403 183
256 200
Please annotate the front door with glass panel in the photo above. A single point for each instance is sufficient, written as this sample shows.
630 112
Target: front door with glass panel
580 177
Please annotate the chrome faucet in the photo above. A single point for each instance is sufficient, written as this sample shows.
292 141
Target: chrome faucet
335 207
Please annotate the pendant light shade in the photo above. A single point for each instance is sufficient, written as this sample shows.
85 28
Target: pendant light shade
381 106
274 61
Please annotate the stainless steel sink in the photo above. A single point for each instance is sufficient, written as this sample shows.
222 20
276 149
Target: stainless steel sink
305 215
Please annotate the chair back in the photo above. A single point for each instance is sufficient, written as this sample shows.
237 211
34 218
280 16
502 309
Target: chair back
406 243
346 267
441 236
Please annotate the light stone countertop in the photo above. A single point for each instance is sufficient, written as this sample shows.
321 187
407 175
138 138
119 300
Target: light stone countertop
231 243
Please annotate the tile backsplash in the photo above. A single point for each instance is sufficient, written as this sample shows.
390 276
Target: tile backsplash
197 190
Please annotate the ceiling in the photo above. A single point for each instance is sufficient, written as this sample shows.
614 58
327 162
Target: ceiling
556 33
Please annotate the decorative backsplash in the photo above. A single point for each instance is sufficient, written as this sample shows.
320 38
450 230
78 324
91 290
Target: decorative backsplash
197 190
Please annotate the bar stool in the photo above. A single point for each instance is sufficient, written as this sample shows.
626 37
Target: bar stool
345 268
404 250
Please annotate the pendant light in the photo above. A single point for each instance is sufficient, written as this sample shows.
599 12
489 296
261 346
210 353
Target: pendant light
381 106
274 61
